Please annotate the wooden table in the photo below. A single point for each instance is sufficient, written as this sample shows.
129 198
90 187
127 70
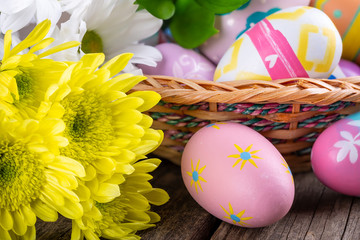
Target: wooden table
317 213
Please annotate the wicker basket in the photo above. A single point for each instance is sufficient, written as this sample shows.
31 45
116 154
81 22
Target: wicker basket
291 113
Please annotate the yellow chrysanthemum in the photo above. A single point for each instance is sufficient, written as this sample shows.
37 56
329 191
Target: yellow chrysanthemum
34 180
24 78
103 124
126 214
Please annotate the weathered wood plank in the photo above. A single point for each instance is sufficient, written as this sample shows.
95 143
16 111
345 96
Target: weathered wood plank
352 230
182 217
331 216
59 230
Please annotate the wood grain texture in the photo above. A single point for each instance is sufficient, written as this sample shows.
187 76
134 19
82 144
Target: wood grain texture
59 230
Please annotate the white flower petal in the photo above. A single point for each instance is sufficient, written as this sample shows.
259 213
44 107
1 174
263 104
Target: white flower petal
347 135
353 155
341 144
143 54
48 9
355 123
14 6
98 11
144 26
73 5
18 20
342 154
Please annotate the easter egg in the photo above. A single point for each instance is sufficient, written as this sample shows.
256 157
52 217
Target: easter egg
335 156
234 24
293 42
350 69
337 73
182 63
237 175
346 17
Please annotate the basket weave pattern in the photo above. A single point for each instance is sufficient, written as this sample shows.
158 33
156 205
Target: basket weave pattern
291 113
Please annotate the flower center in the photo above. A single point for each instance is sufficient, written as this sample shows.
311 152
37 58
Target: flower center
113 211
92 43
195 176
24 84
21 176
235 218
245 155
88 126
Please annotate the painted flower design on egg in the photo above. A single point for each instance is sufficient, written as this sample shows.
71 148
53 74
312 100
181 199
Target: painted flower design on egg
245 156
190 68
347 146
195 175
236 218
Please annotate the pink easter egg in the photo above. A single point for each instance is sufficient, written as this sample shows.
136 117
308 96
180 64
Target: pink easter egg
335 156
182 63
232 25
237 175
350 69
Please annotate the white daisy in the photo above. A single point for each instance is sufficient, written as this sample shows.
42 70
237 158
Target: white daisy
115 27
16 14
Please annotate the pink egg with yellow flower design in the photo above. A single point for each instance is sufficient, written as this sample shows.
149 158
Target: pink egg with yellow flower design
335 156
237 175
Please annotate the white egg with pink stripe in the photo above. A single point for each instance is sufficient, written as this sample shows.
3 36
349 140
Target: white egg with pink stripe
293 42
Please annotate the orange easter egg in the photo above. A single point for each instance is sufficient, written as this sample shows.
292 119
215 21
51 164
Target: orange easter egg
346 17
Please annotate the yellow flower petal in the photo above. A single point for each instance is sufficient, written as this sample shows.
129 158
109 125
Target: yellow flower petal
126 103
6 220
71 210
138 201
19 225
150 98
12 62
124 168
104 165
30 233
7 45
137 216
68 165
147 165
92 61
118 63
156 196
146 121
59 48
44 212
127 83
107 192
29 215
4 234
41 45
34 36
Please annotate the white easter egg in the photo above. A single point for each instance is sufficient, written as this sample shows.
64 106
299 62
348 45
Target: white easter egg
294 42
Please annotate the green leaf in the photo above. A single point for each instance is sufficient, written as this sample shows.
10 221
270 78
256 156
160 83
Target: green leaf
191 25
163 9
221 6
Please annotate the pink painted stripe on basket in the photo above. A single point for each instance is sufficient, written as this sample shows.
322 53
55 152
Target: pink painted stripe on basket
275 51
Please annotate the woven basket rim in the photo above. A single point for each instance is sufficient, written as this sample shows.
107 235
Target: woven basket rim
283 91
